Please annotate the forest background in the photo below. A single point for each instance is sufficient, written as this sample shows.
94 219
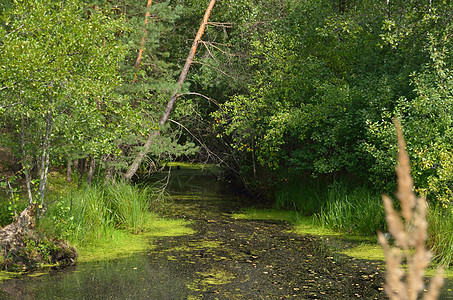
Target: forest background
295 98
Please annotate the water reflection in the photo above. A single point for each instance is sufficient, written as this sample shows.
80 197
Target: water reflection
137 277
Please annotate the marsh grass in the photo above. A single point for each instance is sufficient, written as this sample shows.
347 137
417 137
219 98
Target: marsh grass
96 212
130 206
304 198
440 238
355 211
338 206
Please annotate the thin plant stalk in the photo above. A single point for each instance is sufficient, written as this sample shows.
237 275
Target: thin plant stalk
409 229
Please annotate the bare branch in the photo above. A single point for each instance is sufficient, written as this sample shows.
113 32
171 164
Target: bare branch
142 42
204 96
209 51
198 140
15 30
206 44
215 68
11 105
224 25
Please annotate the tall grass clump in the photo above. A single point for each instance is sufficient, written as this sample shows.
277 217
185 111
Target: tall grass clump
98 211
440 238
130 206
303 198
356 211
91 213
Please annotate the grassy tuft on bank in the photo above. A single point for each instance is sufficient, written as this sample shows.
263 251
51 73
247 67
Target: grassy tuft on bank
109 221
339 208
440 237
336 207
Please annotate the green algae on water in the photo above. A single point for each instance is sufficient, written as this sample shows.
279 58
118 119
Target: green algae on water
123 244
366 251
209 278
306 225
265 214
4 275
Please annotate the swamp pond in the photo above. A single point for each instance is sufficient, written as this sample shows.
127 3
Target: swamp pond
226 258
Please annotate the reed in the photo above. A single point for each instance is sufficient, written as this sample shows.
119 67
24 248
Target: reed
409 230
130 206
440 239
303 198
96 212
357 211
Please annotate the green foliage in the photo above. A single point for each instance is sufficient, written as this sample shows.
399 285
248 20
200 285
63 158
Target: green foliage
67 88
58 74
38 250
327 82
304 110
62 220
425 115
11 201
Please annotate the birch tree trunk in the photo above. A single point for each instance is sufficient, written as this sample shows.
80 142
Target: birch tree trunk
185 70
45 162
26 163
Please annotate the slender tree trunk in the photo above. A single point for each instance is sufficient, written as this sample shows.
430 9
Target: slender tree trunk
142 43
75 164
25 162
186 67
69 171
141 155
45 163
82 167
91 170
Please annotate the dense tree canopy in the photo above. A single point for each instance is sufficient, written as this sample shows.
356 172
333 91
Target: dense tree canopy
277 88
328 81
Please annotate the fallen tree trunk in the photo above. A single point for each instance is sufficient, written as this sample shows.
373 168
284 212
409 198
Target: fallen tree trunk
185 70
